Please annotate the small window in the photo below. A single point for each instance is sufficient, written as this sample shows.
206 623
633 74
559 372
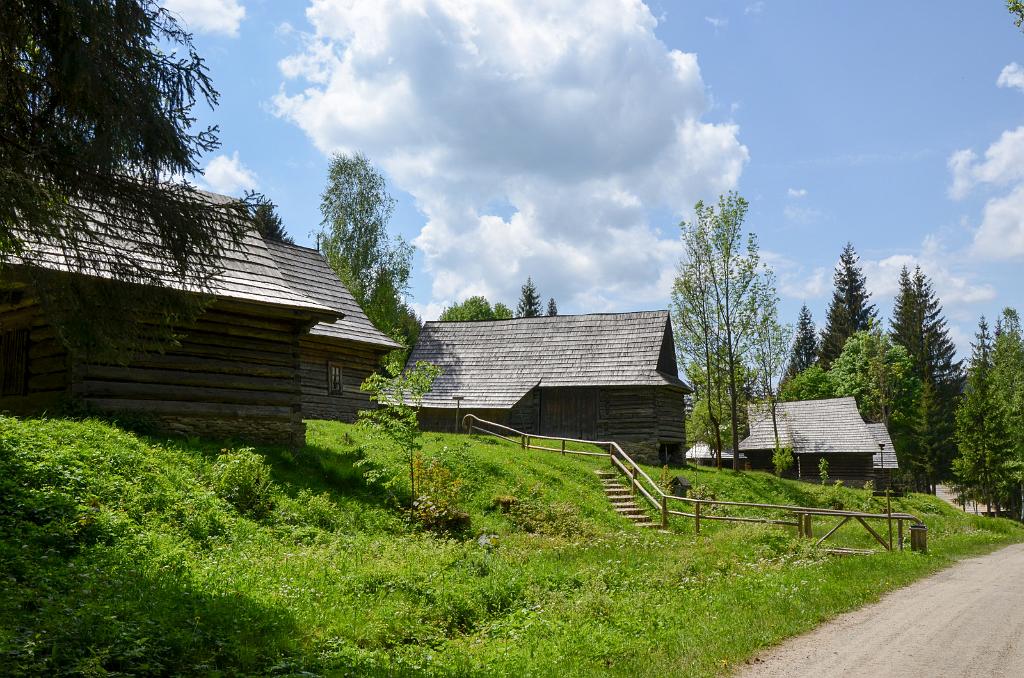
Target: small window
14 362
334 384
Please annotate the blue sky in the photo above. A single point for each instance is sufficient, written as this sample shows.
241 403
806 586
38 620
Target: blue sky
566 140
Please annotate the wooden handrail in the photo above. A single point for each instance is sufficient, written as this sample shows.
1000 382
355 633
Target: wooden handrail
659 498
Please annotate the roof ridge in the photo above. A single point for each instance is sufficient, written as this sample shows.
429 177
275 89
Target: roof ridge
549 317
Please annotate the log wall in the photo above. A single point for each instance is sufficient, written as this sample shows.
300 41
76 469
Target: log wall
853 469
47 365
235 375
641 419
358 361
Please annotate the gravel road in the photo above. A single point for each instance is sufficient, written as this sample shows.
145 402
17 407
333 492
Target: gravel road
967 620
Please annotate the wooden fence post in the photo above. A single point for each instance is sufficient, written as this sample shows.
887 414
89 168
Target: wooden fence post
563 446
664 511
808 530
696 518
899 532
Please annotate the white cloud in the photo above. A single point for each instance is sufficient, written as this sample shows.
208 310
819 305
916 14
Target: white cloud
573 116
226 174
797 192
1012 75
795 281
954 287
717 22
754 7
802 216
1001 234
209 16
1003 164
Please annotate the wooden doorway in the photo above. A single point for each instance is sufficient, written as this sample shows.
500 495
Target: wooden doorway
570 412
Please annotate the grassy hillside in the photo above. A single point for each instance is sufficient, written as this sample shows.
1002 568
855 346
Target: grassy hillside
130 555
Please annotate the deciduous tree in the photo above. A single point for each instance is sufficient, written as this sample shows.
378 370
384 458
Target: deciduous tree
399 396
475 308
715 297
879 374
374 265
769 346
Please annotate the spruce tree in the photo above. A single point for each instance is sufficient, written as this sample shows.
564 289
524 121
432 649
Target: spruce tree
919 326
850 311
805 345
552 307
96 115
529 301
982 466
267 221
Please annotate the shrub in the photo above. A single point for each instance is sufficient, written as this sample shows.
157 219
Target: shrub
782 460
439 493
539 516
835 496
823 470
242 478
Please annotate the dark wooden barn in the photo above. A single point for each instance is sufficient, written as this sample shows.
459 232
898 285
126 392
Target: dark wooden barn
830 429
336 357
234 374
598 377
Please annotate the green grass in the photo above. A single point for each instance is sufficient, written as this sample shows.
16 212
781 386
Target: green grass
117 555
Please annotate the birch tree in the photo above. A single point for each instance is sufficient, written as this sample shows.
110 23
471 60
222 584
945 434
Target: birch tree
715 294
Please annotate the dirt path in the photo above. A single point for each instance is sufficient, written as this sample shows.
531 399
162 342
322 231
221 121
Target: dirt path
964 621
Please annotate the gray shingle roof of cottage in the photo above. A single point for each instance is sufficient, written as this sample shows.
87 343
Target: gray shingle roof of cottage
307 272
243 271
886 458
832 426
493 364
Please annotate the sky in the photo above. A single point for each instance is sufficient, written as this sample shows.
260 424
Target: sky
566 140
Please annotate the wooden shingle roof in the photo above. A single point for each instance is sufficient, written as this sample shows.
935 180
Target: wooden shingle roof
309 274
886 458
493 364
244 271
832 426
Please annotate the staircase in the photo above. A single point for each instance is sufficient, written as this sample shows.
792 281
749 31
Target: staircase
622 499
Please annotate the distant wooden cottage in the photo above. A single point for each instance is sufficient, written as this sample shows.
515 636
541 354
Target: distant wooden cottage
336 356
703 454
602 376
245 369
831 429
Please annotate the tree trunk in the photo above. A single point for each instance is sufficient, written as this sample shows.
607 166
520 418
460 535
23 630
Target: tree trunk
733 402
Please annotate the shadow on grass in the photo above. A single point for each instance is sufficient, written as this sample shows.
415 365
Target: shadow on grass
113 610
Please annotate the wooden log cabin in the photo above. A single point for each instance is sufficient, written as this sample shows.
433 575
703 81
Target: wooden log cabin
336 356
598 377
236 372
830 429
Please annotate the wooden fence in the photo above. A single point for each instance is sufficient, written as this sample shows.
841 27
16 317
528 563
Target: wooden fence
642 485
